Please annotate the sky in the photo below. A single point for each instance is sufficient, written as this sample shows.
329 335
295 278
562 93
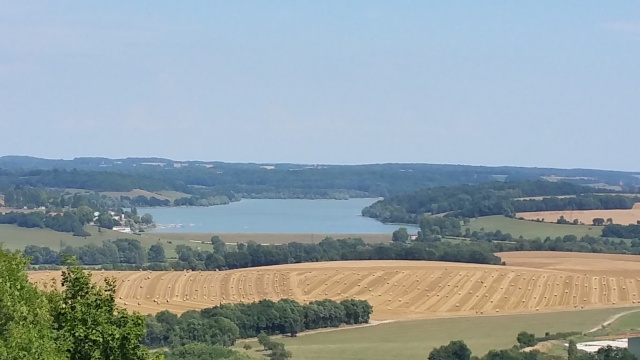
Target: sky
537 83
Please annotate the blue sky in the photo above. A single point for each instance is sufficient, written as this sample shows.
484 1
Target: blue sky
542 83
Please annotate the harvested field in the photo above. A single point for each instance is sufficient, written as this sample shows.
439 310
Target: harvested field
531 282
624 217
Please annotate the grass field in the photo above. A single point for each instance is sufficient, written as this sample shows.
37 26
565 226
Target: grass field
416 338
16 238
530 229
628 322
269 238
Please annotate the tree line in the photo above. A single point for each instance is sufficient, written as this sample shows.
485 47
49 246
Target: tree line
479 247
129 254
226 323
580 202
493 198
622 231
70 221
110 252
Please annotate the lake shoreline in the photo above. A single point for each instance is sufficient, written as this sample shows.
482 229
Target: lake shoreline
318 216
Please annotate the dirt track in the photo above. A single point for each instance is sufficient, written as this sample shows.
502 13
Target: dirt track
532 281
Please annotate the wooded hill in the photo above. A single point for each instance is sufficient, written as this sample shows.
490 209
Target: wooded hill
495 198
250 180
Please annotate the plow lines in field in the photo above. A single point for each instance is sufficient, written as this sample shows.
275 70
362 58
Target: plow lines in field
396 289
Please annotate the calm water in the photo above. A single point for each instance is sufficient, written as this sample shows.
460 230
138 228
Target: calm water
271 216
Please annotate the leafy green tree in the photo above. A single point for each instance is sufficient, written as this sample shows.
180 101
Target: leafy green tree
89 325
219 247
214 261
526 339
26 330
147 219
263 340
105 221
85 214
400 235
280 353
156 253
611 353
198 351
455 350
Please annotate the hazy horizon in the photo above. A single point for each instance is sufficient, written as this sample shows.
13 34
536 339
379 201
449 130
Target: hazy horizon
544 84
312 163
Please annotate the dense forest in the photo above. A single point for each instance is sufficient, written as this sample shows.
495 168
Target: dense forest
494 198
205 180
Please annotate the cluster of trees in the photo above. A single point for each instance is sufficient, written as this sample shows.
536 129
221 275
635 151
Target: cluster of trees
580 202
329 249
622 231
199 351
71 221
440 226
26 196
526 339
119 251
130 254
572 243
205 201
278 352
224 324
458 350
141 200
78 321
493 198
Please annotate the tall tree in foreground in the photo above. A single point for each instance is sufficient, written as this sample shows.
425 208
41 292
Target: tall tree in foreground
25 322
88 323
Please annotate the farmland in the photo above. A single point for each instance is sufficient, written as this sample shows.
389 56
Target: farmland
16 238
271 238
414 339
530 229
624 217
533 281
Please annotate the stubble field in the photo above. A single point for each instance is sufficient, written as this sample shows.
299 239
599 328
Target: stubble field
624 217
532 281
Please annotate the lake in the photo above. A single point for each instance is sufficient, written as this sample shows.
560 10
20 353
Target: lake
271 216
